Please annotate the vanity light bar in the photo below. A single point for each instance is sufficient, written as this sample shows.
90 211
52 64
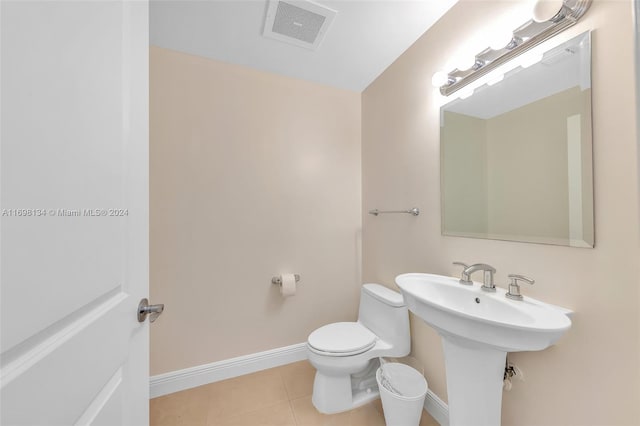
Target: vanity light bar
550 18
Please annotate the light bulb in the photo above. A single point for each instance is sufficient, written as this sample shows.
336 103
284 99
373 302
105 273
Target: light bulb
500 40
464 62
465 59
546 10
439 79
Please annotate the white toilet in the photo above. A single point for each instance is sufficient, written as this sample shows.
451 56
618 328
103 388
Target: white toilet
345 354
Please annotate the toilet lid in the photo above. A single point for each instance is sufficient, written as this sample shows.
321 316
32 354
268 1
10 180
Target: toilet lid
342 337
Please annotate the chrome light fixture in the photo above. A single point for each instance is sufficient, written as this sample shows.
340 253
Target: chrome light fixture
550 17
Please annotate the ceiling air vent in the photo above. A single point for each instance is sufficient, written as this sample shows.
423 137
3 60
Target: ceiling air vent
302 23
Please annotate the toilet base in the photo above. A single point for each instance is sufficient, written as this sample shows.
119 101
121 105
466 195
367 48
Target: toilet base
335 394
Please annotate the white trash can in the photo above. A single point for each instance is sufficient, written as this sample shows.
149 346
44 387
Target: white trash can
402 390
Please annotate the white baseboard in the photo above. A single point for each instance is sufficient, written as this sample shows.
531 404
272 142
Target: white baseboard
175 381
437 408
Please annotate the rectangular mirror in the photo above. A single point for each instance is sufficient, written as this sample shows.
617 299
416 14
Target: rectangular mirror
516 156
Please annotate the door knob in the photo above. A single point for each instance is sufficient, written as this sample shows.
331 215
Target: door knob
144 309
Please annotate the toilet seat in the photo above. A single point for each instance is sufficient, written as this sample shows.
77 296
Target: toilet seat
342 339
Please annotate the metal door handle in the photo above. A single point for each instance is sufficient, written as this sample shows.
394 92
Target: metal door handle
145 309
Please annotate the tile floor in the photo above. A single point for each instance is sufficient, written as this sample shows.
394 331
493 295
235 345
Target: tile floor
279 396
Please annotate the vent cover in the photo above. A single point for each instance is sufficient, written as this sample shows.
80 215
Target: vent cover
302 23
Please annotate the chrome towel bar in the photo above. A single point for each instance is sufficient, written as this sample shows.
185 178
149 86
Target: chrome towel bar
414 211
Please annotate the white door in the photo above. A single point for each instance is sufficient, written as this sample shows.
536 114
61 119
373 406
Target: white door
74 200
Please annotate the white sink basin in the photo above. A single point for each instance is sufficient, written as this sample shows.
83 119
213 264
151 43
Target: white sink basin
483 317
478 328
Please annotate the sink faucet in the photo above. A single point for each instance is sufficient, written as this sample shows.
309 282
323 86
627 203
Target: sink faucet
488 275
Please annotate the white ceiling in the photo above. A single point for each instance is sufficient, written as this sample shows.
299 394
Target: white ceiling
365 37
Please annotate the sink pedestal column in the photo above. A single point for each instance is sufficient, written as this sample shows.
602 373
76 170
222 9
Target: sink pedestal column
474 382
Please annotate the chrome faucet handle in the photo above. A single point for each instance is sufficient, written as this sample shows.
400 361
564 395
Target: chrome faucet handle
514 287
464 278
488 270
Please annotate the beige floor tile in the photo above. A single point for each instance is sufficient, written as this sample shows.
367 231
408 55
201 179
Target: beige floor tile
165 420
189 407
165 410
246 394
159 417
427 420
307 415
196 407
276 397
367 415
298 379
377 404
279 414
168 403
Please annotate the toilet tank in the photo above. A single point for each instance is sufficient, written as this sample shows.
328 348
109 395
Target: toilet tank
384 312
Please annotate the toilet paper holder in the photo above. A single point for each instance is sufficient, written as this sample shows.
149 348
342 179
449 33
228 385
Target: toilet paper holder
278 279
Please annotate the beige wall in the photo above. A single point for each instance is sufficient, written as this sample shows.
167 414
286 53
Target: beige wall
252 175
578 381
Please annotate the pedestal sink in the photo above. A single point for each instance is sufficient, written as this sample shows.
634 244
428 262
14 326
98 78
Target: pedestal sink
478 329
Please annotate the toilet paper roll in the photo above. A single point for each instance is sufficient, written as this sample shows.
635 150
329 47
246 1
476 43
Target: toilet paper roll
288 287
506 385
